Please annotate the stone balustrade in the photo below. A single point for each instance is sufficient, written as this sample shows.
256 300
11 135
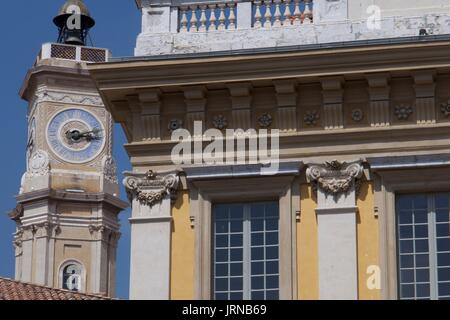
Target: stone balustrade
205 17
278 13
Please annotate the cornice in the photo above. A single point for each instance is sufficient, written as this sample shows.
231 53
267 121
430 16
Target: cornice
298 65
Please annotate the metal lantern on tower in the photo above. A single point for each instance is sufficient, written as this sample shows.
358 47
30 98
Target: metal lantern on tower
74 22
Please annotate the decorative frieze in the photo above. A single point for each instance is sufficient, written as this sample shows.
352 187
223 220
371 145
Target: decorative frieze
379 92
150 188
334 177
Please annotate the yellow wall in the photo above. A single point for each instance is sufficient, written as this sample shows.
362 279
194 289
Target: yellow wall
307 246
182 251
367 229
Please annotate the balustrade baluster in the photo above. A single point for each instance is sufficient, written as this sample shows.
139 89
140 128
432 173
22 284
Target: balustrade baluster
257 23
184 20
268 15
194 20
212 17
221 17
232 17
308 12
202 27
297 13
287 13
277 14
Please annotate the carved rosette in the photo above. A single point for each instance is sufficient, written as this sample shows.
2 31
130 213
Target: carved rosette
334 177
109 169
150 188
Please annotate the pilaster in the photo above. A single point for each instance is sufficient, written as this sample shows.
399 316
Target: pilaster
333 96
379 92
150 195
336 218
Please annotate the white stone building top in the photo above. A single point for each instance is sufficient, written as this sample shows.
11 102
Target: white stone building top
200 26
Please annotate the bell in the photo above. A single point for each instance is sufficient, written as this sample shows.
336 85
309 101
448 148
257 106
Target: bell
74 22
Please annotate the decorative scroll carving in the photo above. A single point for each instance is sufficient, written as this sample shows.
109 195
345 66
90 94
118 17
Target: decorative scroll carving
335 177
39 164
150 188
109 169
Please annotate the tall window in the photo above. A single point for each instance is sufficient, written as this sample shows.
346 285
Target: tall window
71 277
423 232
246 251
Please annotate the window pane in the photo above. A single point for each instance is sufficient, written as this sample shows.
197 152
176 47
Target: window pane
258 239
444 289
236 255
443 259
422 245
442 215
422 275
221 269
420 202
420 216
257 253
443 274
257 210
272 253
257 295
272 282
221 284
272 267
221 212
405 217
236 226
236 284
236 296
258 225
236 269
421 231
271 238
443 244
257 268
422 260
271 224
222 241
407 261
272 295
236 240
222 227
407 290
406 232
222 255
406 246
422 290
257 282
443 230
407 276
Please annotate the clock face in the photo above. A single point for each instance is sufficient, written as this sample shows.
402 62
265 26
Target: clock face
75 135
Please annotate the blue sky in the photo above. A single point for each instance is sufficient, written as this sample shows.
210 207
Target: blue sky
26 25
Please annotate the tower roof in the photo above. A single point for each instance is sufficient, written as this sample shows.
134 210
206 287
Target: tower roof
79 3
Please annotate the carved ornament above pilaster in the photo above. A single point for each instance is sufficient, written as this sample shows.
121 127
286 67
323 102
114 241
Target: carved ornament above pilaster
334 177
150 188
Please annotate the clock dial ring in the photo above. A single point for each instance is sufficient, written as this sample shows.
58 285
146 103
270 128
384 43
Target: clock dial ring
61 130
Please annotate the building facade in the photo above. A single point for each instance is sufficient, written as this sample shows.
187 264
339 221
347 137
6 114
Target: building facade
359 206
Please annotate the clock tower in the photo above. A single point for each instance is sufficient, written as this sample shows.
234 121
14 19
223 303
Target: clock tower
68 204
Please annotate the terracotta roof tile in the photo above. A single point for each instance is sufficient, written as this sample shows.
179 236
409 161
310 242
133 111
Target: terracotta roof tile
15 290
